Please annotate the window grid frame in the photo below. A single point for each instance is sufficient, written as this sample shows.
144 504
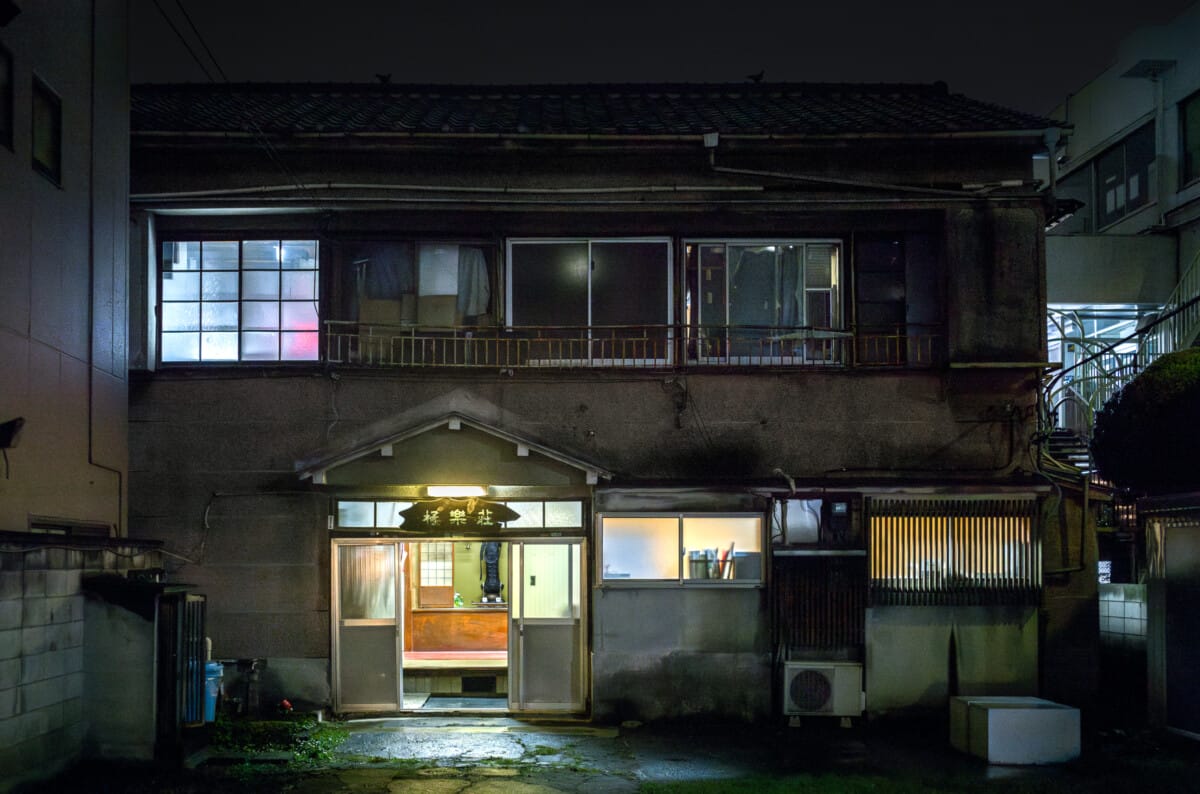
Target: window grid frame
239 359
681 581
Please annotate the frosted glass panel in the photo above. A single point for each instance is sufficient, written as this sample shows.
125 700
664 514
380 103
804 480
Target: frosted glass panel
301 346
220 286
260 255
640 548
260 315
181 347
299 254
219 347
300 285
530 514
367 577
219 316
356 514
564 514
181 286
387 514
219 256
300 316
260 346
260 284
181 316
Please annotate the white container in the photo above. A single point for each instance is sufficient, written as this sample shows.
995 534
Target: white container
1017 731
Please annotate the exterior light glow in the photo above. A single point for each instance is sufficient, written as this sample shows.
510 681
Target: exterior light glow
455 490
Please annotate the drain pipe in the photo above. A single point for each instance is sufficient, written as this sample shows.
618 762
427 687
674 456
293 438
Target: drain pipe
91 298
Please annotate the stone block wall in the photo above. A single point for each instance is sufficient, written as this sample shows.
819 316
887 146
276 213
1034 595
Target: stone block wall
43 675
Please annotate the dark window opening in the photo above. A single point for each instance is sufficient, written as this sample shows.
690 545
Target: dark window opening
47 132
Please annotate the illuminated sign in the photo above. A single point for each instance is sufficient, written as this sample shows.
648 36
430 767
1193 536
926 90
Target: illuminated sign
458 515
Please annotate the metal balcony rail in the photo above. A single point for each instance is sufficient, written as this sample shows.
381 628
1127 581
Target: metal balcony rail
627 346
1179 319
1071 397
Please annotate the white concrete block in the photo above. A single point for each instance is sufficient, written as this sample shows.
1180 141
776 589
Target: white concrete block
960 733
34 612
58 609
1023 733
74 686
58 583
8 703
73 660
42 694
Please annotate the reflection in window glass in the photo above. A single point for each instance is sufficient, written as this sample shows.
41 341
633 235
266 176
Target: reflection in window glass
6 98
47 132
1189 134
640 548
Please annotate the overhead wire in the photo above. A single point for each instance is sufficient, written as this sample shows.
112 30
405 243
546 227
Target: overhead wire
264 142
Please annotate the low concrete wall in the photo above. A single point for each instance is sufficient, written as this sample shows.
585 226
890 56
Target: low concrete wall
917 657
673 652
45 678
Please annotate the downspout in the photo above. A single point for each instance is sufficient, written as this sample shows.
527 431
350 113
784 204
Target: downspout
91 296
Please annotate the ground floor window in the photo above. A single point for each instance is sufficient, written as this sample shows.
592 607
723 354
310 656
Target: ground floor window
683 548
951 550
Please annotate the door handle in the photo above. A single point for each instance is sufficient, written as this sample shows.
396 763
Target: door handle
532 580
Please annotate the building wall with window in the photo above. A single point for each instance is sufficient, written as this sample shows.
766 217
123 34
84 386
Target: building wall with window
719 342
1131 160
64 170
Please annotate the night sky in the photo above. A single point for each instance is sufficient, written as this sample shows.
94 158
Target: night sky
1024 54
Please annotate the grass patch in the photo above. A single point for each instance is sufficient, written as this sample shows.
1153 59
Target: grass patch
308 740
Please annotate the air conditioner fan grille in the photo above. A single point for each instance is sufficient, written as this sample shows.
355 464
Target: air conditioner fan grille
810 690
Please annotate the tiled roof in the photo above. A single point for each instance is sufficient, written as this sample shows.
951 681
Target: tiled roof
751 109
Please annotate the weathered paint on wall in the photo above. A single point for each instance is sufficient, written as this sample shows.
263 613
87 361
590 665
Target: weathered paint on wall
668 652
919 656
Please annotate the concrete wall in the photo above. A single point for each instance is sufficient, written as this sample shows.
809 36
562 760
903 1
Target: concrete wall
1110 268
63 259
917 657
675 652
63 328
51 687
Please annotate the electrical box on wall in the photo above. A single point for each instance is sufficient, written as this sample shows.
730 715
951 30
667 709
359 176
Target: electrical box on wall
833 522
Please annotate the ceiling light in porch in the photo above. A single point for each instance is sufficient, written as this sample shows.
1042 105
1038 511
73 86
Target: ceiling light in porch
455 490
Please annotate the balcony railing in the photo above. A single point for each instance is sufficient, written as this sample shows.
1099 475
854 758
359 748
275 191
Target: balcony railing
627 346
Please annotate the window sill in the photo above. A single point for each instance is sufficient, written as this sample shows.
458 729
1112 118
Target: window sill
674 584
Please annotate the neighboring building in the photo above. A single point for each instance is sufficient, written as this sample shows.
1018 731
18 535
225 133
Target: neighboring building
64 176
727 383
1123 287
1128 253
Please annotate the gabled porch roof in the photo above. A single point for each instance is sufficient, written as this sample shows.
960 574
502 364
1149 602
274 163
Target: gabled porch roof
455 411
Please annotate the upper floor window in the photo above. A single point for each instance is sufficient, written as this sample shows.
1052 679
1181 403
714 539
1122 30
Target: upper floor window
752 301
6 98
621 289
47 132
1125 176
1189 134
239 300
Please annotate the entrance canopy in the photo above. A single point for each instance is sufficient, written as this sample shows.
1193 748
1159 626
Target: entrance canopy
459 441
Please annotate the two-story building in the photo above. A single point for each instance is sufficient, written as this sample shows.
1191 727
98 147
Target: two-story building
636 400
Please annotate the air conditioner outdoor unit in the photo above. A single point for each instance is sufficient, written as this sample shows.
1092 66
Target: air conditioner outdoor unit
832 689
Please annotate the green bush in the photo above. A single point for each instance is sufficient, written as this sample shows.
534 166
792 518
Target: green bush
1147 436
